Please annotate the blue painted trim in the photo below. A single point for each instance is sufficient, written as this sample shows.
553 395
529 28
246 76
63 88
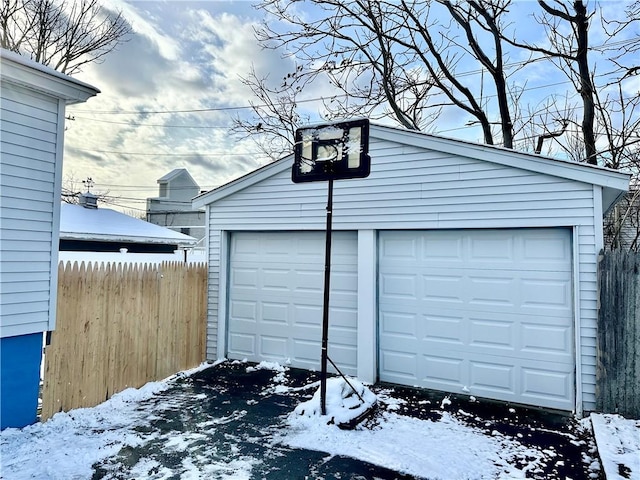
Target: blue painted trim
20 358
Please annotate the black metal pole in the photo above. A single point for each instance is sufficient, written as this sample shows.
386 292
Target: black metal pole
325 308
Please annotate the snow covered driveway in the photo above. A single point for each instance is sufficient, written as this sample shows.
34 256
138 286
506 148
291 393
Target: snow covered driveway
235 421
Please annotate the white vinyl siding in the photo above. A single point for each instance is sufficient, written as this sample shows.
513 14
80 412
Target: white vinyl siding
415 188
213 286
27 205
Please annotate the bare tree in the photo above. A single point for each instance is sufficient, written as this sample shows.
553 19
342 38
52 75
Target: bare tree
401 60
410 60
275 115
64 35
571 52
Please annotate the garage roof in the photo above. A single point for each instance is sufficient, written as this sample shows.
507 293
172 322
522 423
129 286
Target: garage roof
614 183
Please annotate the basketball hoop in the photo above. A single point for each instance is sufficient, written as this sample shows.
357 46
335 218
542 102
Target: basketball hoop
327 153
332 151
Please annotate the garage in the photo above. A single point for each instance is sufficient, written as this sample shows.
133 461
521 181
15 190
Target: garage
464 268
276 294
482 312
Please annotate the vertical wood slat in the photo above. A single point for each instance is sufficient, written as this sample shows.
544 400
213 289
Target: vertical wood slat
122 326
618 341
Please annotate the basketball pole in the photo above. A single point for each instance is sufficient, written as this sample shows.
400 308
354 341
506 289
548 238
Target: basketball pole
325 308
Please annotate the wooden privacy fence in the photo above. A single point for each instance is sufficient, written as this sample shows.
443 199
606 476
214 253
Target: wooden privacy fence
119 326
618 367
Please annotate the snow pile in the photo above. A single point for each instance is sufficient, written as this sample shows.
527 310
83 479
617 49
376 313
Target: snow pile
345 402
618 441
446 449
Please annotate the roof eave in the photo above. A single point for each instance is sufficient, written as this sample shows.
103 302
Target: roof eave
245 181
97 237
21 71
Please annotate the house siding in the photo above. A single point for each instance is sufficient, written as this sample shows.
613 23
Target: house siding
29 145
413 188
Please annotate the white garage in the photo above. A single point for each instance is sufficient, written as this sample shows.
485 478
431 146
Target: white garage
458 267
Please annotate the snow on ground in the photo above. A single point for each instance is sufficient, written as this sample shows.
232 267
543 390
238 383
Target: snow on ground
444 449
70 445
618 441
67 445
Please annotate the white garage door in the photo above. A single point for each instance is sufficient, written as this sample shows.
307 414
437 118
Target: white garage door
483 312
276 295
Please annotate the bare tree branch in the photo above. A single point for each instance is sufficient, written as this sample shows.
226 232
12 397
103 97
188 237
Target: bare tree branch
62 34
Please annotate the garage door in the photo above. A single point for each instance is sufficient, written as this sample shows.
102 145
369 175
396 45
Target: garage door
483 312
276 295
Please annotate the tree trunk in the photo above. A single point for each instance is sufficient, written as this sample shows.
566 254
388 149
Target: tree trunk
586 84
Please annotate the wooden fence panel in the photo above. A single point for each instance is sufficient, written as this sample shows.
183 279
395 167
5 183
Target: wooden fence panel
618 368
120 326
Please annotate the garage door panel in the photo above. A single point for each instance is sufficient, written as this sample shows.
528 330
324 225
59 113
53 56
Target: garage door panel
305 353
554 342
542 386
399 286
244 277
489 312
399 324
243 310
272 346
400 366
243 343
276 296
491 378
275 312
443 372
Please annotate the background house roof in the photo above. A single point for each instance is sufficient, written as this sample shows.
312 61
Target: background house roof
104 224
176 173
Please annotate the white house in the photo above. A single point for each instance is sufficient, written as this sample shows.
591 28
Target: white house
459 267
32 108
172 207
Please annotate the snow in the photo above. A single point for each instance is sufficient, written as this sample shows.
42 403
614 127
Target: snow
445 449
345 401
618 441
68 445
77 222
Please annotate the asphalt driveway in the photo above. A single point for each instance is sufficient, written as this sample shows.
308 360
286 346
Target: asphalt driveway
248 407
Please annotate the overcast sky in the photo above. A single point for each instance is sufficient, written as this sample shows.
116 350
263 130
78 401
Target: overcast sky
168 96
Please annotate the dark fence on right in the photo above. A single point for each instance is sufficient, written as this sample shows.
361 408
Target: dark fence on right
618 367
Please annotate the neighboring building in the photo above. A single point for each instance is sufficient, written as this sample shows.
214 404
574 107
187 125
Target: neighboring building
87 228
173 209
32 102
622 225
457 267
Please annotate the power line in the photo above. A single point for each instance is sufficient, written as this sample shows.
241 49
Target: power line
159 154
137 124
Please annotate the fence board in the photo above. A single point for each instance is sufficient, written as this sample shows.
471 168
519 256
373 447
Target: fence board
121 326
618 368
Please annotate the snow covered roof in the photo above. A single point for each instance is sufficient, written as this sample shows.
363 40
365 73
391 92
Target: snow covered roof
23 71
104 224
